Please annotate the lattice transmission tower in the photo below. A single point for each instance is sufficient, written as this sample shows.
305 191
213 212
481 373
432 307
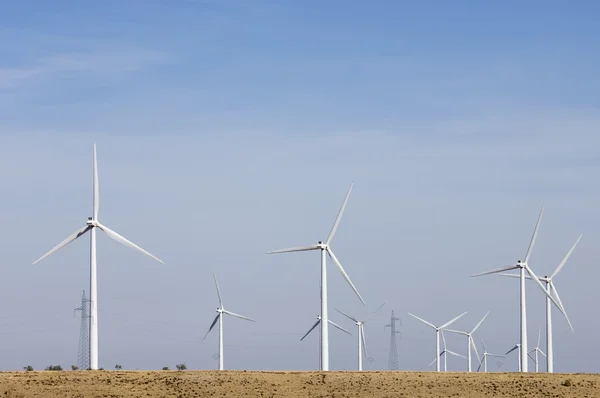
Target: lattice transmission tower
83 354
393 360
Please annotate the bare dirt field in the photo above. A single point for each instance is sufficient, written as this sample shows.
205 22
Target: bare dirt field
112 384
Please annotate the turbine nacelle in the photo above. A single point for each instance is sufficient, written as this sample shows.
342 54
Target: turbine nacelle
91 222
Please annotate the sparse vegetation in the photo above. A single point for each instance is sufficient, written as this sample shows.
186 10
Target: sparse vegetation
118 367
54 367
165 368
567 383
28 368
74 367
181 366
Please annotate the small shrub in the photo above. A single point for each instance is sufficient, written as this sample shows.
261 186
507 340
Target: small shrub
118 367
165 368
54 367
28 368
567 383
74 367
181 366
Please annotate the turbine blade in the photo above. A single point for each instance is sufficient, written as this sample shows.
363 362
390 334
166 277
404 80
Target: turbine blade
339 216
346 315
539 337
294 249
335 325
553 288
238 316
532 357
474 347
380 307
432 362
541 352
483 344
445 325
533 237
537 281
480 364
455 354
218 291
511 350
212 325
564 260
364 342
96 187
115 236
498 270
344 274
422 320
480 322
456 332
65 242
443 339
311 329
515 276
495 355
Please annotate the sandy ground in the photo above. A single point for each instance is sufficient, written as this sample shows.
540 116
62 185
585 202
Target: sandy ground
112 384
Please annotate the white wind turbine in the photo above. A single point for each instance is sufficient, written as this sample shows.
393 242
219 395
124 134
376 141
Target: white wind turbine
518 348
470 341
220 311
484 357
326 248
523 266
551 288
445 353
362 344
335 325
91 225
537 351
437 335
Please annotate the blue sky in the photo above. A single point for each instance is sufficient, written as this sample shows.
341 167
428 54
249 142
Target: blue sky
226 129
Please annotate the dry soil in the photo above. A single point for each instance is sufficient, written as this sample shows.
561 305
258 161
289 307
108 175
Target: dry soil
110 384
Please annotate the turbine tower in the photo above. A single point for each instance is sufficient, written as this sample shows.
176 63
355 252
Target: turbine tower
317 323
83 353
484 357
445 353
551 288
470 341
362 344
437 335
537 351
325 249
220 311
523 266
393 357
91 225
518 348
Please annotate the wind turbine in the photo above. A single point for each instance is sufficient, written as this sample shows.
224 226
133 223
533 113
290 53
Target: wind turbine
484 357
470 341
335 325
551 288
91 225
518 348
445 353
523 266
325 248
437 335
362 344
537 351
220 311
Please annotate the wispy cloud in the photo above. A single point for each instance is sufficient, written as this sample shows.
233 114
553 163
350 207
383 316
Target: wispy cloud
95 63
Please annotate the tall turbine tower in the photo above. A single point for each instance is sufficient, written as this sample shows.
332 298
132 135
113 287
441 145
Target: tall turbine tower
393 357
83 353
91 225
325 249
523 267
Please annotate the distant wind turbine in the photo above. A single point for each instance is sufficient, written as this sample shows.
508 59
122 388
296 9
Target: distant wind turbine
317 323
326 248
220 311
523 266
362 344
470 341
518 348
437 335
537 351
445 353
484 357
551 288
91 225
